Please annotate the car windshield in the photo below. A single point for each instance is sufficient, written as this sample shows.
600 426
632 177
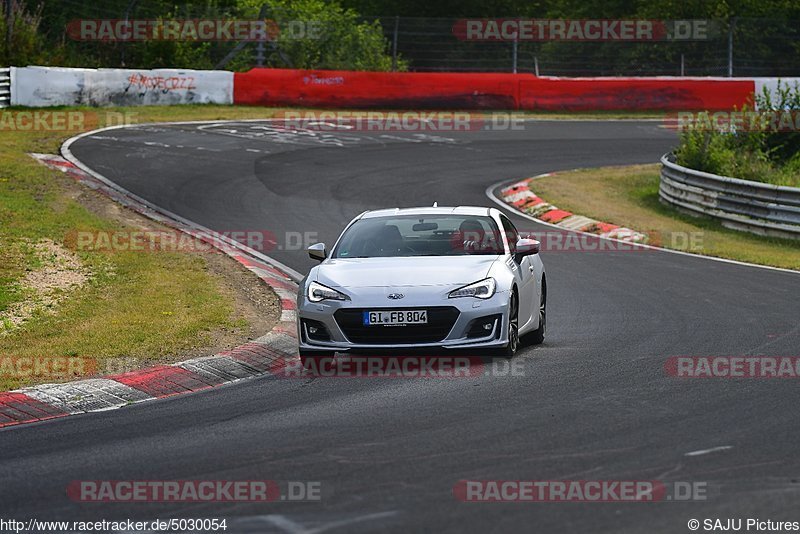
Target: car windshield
420 235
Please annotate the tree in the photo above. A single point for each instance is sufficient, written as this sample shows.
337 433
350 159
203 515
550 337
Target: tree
324 35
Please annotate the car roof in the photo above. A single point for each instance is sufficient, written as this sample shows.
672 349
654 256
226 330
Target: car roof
458 210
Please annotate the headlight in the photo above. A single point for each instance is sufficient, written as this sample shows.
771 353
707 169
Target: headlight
318 293
480 290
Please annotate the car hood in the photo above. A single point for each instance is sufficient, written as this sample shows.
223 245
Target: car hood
398 272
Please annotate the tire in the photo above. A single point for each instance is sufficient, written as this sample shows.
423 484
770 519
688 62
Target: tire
510 350
315 359
537 336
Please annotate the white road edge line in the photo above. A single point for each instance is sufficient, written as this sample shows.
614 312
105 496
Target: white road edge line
709 451
490 194
69 156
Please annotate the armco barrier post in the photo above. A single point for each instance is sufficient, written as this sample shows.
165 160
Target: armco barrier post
5 87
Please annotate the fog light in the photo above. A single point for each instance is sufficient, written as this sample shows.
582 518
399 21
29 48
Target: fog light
483 326
316 330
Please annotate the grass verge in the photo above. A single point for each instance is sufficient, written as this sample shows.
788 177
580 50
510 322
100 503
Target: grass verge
628 196
130 307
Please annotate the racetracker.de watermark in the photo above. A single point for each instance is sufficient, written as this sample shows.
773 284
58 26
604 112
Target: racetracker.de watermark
632 30
62 367
734 121
578 491
398 121
125 30
563 241
193 491
557 241
466 242
187 241
733 366
396 367
59 121
46 367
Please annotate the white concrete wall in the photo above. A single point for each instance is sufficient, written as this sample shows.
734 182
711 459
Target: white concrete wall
54 86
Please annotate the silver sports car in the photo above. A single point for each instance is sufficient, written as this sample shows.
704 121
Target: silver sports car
455 278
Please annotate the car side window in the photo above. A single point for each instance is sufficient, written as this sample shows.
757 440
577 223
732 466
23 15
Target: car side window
511 234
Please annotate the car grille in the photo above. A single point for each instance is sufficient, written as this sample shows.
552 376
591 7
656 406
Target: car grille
440 321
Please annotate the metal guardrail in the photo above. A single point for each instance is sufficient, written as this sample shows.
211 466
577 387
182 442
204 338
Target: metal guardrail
5 87
755 207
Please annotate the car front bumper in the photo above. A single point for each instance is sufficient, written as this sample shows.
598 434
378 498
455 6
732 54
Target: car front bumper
342 334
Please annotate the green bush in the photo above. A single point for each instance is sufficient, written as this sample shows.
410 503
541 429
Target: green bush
760 150
782 146
26 44
338 38
344 41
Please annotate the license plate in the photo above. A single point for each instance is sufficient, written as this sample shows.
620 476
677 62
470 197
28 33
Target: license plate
395 317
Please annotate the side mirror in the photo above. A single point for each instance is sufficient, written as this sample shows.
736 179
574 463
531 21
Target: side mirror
317 252
526 247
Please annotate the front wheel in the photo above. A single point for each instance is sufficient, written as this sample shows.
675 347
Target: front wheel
537 336
513 329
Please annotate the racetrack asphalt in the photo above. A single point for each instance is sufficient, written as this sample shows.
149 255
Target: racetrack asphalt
594 403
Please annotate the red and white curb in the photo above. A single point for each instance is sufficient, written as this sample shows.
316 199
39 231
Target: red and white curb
520 196
258 357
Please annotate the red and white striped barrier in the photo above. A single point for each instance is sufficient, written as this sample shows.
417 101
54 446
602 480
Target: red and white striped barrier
520 197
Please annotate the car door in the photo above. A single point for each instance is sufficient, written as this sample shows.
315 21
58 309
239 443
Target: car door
524 273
